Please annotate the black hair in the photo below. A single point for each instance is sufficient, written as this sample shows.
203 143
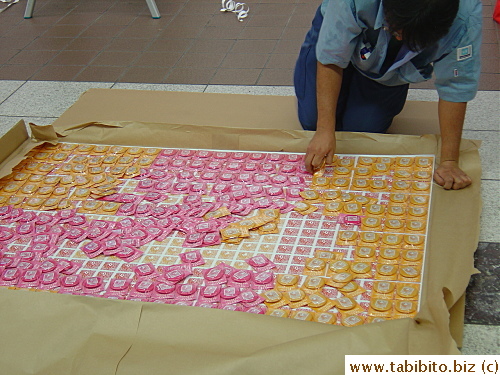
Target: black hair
421 23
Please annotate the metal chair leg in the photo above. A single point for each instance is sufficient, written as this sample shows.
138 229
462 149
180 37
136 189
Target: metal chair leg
28 13
153 8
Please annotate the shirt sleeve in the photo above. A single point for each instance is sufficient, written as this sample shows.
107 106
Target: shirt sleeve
336 41
457 74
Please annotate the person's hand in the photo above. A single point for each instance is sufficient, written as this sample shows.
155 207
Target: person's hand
450 176
321 147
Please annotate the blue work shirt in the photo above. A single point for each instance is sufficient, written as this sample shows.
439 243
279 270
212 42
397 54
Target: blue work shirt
351 28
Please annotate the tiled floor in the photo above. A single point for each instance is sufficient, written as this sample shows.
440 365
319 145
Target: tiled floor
192 43
69 46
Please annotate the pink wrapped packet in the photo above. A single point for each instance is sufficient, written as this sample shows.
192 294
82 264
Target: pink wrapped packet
5 212
209 294
238 155
233 307
222 155
127 209
293 194
92 286
125 225
349 219
188 225
209 176
197 164
159 212
181 187
165 233
154 196
176 273
145 185
206 226
186 175
279 180
168 152
274 157
93 249
227 177
232 167
244 177
294 158
193 240
65 215
229 296
49 280
7 235
186 153
163 291
70 284
144 209
204 154
76 234
240 209
178 164
260 263
275 192
28 217
153 233
211 239
192 199
76 220
146 222
98 234
283 206
26 265
263 203
29 255
9 261
287 168
10 276
241 279
63 265
220 188
46 249
250 298
117 288
264 280
146 271
142 289
208 305
16 214
74 266
129 250
215 165
186 292
49 265
256 156
163 186
267 168
259 309
193 257
43 219
199 188
112 246
215 275
104 224
261 179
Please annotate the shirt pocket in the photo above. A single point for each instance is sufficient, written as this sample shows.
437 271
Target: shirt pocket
411 74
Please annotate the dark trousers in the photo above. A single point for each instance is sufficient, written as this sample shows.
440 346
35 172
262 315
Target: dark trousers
363 105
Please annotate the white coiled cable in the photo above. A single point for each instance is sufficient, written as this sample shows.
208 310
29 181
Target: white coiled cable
241 9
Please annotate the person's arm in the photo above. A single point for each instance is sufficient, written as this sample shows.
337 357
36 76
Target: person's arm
322 145
451 120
